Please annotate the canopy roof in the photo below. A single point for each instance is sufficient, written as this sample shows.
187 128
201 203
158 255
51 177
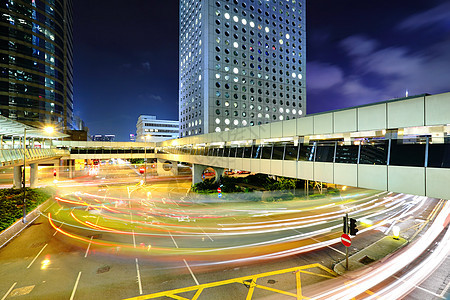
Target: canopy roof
10 127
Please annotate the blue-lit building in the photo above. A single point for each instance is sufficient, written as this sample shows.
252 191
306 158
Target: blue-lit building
242 63
36 62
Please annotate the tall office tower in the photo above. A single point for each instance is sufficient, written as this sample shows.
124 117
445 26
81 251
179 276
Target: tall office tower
36 62
242 63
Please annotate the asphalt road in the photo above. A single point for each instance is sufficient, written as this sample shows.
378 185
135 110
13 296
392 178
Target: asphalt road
155 239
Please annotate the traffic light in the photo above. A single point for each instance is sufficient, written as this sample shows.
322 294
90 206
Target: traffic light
353 229
345 227
54 172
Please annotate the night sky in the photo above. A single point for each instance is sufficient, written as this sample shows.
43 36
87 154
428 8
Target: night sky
358 52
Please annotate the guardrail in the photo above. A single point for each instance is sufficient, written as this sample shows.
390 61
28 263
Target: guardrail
10 157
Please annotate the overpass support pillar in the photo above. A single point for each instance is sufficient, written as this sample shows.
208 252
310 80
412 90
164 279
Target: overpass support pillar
33 175
197 172
17 181
163 170
71 167
219 173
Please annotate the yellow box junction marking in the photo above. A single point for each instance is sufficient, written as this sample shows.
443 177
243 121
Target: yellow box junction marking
248 281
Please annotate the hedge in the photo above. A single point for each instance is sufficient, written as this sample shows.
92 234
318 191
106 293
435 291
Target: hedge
11 204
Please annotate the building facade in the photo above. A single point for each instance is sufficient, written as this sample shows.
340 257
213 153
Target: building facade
36 62
103 137
149 129
242 63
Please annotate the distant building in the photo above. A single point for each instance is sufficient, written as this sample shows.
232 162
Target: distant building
156 130
103 137
132 137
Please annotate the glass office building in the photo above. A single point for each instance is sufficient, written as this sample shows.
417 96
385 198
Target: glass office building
242 63
36 62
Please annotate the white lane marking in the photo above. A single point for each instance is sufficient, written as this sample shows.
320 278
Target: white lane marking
445 290
49 206
190 271
206 234
89 246
139 277
9 291
37 256
134 239
338 251
420 288
56 231
176 245
19 231
75 287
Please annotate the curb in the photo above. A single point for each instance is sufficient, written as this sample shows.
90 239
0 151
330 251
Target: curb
12 231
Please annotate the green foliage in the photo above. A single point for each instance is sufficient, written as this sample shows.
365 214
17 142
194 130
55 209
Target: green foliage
136 161
11 204
205 187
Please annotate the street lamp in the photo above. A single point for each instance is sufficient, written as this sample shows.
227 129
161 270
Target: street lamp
49 129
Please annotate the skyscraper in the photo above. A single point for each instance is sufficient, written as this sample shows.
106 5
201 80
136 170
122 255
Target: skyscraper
36 62
242 63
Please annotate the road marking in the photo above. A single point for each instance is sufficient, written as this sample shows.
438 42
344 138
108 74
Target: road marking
206 234
190 271
75 287
9 291
419 287
49 207
134 239
89 246
338 251
56 231
37 256
139 277
445 290
173 240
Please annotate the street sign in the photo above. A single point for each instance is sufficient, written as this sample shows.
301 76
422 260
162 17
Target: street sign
346 240
220 195
219 190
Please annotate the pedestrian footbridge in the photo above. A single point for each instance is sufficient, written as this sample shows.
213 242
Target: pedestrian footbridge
401 145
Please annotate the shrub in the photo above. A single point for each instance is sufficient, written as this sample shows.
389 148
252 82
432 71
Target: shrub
11 204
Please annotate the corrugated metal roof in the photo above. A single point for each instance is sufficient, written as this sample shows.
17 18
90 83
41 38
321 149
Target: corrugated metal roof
10 127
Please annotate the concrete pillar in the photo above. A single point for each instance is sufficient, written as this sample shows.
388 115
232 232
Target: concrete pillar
33 175
219 172
160 168
71 167
17 181
197 171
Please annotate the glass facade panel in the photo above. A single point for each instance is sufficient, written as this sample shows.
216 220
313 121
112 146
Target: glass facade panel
239 152
256 152
291 152
347 154
439 155
411 155
278 152
374 152
306 152
266 152
232 152
247 152
325 153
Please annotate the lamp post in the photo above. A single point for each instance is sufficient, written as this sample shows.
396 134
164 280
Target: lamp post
24 220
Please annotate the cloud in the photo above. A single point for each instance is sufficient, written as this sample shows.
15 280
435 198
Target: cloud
146 66
436 15
149 97
358 45
322 75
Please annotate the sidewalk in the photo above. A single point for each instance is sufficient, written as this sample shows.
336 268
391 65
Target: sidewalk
374 252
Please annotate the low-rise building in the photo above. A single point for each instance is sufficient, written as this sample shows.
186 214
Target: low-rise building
155 130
